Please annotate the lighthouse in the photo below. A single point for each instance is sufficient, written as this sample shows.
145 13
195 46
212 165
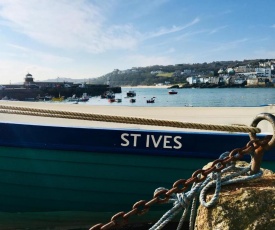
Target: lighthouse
28 80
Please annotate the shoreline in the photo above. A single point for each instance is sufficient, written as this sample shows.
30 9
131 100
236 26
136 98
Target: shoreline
168 86
147 86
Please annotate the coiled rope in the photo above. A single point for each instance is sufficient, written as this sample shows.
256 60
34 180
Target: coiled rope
121 119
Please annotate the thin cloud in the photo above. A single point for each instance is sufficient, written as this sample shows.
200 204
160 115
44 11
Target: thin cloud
74 25
191 34
203 31
41 56
216 30
174 29
66 24
219 14
17 47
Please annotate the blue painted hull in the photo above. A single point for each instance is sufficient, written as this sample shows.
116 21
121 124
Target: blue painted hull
46 169
142 142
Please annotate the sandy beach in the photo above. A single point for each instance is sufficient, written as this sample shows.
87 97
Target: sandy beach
206 115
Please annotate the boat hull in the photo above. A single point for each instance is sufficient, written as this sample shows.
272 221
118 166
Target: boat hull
131 94
49 170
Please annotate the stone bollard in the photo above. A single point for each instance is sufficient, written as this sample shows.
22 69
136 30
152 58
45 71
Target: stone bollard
242 206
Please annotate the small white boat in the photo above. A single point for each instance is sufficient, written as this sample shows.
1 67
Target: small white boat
172 91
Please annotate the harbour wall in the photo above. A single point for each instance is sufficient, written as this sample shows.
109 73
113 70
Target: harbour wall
25 94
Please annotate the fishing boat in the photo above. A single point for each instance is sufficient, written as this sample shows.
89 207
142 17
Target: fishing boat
79 171
84 98
77 99
108 94
172 92
131 93
151 100
74 98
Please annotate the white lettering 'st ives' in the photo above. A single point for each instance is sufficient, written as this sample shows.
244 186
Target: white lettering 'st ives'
164 141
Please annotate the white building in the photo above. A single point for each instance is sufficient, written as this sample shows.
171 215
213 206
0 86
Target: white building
263 72
192 80
203 79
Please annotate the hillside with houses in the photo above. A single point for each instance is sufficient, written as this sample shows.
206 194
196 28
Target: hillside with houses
246 73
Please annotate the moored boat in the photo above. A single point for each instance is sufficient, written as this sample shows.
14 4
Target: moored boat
84 98
151 100
172 92
52 170
74 98
108 94
131 93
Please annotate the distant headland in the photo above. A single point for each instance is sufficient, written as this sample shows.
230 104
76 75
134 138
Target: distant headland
246 73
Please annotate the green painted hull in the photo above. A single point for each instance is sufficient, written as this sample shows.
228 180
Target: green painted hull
41 184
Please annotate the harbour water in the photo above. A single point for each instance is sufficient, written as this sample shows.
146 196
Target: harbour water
194 97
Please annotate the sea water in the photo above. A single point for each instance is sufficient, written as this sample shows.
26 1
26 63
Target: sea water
194 97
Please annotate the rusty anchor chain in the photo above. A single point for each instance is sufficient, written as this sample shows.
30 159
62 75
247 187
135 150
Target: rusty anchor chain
254 147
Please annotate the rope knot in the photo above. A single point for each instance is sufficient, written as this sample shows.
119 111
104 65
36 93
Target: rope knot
183 199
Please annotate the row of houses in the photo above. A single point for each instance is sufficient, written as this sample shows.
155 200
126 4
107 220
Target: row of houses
237 79
241 75
260 71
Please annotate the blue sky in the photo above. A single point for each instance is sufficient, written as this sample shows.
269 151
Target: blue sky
88 38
